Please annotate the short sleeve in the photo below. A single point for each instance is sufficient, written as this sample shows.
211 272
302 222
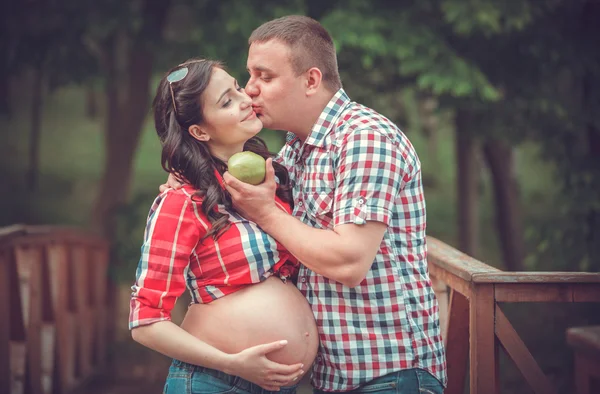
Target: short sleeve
370 171
171 235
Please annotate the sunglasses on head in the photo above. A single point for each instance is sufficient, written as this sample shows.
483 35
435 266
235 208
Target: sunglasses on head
173 77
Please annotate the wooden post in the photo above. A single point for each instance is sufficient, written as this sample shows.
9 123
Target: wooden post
48 329
5 304
58 265
29 265
482 340
456 340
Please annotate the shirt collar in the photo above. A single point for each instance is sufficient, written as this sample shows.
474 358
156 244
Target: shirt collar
328 118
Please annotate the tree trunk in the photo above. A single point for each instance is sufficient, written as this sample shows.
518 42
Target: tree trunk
467 185
429 123
589 26
35 131
125 117
499 157
91 102
4 95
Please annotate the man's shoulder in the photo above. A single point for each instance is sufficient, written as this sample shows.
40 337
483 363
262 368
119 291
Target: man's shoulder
358 117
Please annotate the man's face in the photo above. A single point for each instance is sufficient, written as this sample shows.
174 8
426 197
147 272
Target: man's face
277 93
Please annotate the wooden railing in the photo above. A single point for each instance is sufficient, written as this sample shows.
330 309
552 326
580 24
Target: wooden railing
54 306
474 325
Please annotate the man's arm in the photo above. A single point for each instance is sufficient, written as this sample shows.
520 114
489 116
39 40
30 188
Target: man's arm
344 254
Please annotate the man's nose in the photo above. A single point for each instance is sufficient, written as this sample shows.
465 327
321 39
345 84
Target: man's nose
251 89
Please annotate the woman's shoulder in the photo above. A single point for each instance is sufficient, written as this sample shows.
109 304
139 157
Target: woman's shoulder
185 195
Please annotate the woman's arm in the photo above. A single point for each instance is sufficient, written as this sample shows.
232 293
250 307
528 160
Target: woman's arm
251 364
172 233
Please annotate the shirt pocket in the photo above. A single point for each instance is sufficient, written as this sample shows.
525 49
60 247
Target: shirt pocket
318 195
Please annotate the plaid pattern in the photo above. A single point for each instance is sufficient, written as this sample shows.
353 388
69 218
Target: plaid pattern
173 257
357 166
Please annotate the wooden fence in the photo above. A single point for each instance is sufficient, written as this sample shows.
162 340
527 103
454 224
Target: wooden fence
475 326
55 306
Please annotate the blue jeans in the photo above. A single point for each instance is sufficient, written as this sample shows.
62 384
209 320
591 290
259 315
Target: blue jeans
407 381
186 378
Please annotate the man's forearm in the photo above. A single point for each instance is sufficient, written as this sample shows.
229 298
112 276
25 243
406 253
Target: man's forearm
343 255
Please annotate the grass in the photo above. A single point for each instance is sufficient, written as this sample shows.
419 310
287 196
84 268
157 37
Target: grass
71 160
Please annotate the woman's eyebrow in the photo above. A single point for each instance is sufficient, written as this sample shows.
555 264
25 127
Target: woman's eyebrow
224 93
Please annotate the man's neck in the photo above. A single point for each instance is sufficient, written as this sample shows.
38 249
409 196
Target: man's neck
312 114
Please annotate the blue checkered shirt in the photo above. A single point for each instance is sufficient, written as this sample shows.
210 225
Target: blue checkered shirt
357 166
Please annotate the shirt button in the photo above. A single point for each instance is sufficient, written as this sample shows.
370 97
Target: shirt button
361 201
303 280
300 204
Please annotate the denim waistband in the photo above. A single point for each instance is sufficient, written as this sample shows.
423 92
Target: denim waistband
241 385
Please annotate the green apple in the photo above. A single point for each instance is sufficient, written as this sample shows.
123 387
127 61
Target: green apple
247 167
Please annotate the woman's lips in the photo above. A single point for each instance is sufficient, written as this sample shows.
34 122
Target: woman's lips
250 116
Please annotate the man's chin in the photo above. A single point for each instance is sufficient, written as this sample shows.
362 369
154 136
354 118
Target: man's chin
265 121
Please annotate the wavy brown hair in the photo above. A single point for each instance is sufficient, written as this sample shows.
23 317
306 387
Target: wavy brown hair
190 159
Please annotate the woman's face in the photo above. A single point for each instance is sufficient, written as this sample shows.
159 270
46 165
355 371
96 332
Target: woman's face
229 120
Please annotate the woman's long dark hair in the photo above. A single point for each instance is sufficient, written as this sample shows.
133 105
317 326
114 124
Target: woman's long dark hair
188 158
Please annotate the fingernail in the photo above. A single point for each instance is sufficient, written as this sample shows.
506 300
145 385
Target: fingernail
301 372
296 378
301 365
284 342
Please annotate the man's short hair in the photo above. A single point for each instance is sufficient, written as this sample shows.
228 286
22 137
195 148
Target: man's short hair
309 42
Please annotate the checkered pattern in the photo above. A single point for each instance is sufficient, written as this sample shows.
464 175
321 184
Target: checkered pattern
173 257
358 166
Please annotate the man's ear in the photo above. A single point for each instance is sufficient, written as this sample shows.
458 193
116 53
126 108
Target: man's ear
314 78
198 133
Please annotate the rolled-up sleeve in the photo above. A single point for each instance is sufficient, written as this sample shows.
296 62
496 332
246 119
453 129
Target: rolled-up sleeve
370 172
170 238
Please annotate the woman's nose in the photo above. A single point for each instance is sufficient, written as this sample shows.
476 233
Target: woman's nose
246 102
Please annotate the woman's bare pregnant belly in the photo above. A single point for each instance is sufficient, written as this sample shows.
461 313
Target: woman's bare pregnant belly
262 313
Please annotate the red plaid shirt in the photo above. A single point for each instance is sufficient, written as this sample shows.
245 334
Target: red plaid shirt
173 257
357 166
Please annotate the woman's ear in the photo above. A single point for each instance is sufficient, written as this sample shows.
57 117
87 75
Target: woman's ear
198 133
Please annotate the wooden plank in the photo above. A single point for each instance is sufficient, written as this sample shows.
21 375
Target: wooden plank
29 266
48 329
528 292
5 296
547 292
100 262
482 340
454 261
585 340
441 293
48 351
59 279
453 281
582 376
80 264
586 292
18 358
517 351
17 347
536 277
456 341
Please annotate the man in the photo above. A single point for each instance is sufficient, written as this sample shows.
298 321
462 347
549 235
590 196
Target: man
361 229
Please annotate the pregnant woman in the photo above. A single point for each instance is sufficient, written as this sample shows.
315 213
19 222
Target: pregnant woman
248 327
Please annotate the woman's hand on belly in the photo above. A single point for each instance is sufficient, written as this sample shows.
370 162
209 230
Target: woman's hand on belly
253 365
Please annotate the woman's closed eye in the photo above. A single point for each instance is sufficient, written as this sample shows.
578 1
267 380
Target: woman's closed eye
239 89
